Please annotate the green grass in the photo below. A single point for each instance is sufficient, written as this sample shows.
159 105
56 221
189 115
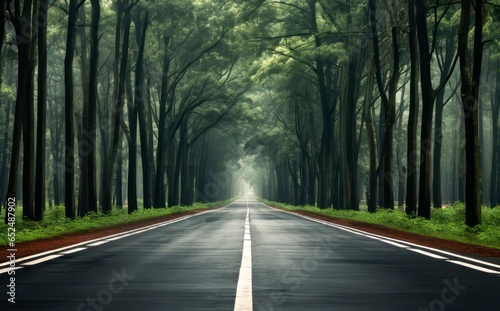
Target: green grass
55 223
447 223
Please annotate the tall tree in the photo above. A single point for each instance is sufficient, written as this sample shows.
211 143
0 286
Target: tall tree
41 110
69 172
88 192
348 144
141 27
495 109
159 190
117 112
323 70
23 22
445 58
139 103
367 112
388 100
470 73
412 151
424 199
428 97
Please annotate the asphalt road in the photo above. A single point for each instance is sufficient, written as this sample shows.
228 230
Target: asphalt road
275 260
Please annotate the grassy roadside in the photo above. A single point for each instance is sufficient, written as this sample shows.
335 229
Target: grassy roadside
446 223
55 223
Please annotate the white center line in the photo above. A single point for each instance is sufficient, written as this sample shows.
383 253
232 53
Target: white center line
244 300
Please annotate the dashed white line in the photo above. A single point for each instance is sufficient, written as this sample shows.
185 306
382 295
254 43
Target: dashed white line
244 299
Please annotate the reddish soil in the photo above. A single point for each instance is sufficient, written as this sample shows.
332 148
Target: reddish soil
34 247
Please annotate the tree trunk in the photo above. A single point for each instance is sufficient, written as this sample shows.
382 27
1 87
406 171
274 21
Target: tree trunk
370 131
424 197
495 108
119 174
84 64
184 167
438 144
324 82
302 199
69 172
3 164
25 99
149 126
41 110
132 158
173 189
470 73
170 162
438 132
3 173
454 177
461 159
140 111
324 159
399 151
311 184
14 161
388 104
411 152
88 188
389 122
336 192
348 144
201 176
159 192
55 142
117 115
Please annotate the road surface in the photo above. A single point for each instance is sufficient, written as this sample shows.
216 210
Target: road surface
248 256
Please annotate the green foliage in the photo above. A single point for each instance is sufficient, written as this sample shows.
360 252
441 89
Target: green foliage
445 223
55 222
8 92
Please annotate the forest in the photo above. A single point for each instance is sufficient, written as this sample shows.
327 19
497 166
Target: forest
142 104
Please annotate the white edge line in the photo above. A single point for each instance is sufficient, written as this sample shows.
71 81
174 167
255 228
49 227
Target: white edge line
394 243
382 238
39 260
427 253
100 241
468 265
74 250
440 251
9 269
